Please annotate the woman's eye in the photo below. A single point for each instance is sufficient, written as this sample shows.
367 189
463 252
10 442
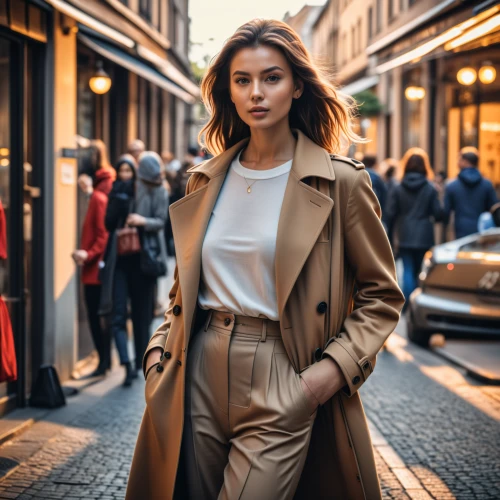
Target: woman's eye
242 80
273 78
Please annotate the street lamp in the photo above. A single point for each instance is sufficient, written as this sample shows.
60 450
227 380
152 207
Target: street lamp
467 76
414 93
487 73
100 83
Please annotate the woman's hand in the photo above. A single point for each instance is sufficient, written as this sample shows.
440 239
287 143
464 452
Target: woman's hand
80 256
153 357
136 220
85 184
321 381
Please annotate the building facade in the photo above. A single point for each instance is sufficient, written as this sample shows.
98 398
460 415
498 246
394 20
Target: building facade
49 50
432 66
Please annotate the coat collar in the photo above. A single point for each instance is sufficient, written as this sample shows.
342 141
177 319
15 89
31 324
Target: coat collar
304 213
309 160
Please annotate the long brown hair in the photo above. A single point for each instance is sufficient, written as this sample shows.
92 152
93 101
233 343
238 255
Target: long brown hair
417 160
322 112
99 154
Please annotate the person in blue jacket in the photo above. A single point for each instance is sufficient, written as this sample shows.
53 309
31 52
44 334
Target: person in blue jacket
469 195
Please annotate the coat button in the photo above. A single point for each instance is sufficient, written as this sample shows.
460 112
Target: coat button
159 368
356 380
317 354
227 321
176 310
366 366
167 355
322 307
179 362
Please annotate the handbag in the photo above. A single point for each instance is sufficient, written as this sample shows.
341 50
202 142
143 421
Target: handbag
127 241
152 262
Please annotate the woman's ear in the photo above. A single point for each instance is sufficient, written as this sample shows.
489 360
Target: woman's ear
299 89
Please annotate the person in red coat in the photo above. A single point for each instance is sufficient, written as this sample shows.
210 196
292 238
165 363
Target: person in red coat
93 243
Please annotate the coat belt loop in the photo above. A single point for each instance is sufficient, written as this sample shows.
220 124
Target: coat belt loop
264 330
209 318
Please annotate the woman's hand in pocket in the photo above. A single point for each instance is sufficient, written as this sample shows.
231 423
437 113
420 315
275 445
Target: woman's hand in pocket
322 380
153 358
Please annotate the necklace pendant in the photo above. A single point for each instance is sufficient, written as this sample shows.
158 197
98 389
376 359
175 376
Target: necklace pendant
249 190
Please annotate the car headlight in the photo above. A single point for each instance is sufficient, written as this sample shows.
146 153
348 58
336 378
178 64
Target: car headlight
427 265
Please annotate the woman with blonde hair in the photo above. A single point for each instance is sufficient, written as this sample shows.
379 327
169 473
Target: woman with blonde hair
252 381
415 206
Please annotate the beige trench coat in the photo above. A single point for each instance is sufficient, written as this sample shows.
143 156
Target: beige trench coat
330 239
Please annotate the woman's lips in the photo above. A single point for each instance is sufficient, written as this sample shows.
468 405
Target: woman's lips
259 113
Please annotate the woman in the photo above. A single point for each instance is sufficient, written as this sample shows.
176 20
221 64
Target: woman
119 204
92 246
415 205
235 384
147 211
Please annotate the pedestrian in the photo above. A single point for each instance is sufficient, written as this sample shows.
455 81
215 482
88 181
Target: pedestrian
136 148
378 184
136 272
177 182
415 206
172 164
389 171
469 195
93 242
260 339
119 205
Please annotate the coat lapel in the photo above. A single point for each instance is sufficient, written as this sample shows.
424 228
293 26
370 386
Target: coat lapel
303 215
190 217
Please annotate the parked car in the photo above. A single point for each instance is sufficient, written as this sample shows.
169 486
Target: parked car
459 290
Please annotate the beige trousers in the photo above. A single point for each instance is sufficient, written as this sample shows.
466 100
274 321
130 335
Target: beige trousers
247 422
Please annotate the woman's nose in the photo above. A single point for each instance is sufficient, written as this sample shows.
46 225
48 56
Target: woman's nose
256 91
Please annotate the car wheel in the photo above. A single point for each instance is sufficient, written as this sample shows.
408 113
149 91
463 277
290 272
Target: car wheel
418 336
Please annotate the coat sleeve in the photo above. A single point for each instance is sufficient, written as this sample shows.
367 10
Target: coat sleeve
378 299
159 338
160 212
391 212
449 204
436 208
96 213
491 196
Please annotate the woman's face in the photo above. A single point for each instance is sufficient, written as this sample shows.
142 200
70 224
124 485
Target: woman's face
125 172
262 86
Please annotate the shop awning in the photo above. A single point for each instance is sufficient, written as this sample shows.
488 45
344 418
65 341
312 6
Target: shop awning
135 65
470 29
359 85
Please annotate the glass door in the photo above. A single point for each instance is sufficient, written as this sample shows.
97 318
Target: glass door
20 175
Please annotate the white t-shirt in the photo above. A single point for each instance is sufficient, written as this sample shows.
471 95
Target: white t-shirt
238 253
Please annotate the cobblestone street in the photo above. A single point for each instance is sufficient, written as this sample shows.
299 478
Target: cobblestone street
436 435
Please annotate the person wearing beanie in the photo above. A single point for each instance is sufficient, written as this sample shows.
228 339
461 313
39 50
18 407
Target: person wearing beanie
132 280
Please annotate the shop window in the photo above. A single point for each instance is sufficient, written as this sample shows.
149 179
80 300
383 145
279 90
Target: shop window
370 23
378 14
390 9
360 43
353 41
145 9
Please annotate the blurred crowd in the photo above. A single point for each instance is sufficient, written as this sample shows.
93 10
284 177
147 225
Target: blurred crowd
421 208
125 240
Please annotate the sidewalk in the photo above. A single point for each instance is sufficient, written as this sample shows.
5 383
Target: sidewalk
82 450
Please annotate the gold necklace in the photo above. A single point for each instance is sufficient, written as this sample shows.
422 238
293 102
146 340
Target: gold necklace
249 189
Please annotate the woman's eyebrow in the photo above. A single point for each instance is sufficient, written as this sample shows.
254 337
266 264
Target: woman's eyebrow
272 68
